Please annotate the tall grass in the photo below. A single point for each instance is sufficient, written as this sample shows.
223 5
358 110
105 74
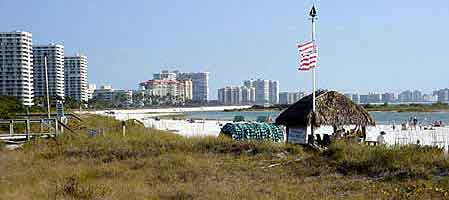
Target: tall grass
391 162
152 164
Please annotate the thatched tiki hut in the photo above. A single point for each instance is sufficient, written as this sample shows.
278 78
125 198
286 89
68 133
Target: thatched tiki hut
332 109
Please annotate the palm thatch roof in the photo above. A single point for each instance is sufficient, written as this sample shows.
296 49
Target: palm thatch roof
332 108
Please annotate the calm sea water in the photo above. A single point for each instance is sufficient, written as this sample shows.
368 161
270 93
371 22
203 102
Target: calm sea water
380 117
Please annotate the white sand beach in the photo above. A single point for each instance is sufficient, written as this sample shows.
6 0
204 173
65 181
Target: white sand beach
182 127
439 136
165 110
186 128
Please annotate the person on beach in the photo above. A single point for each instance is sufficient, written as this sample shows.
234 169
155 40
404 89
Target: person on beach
404 125
381 139
415 122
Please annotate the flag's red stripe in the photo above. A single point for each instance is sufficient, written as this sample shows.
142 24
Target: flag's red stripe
301 45
306 47
311 48
309 58
307 63
305 69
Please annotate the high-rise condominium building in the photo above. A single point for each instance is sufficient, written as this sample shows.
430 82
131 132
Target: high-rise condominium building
251 86
249 83
248 95
91 89
16 66
185 90
355 98
417 96
405 96
364 99
262 91
107 94
235 95
374 97
283 98
230 96
181 90
290 97
265 91
164 75
200 85
273 92
442 95
55 70
76 85
388 97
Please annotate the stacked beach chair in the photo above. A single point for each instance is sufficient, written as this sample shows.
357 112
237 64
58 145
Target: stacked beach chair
253 131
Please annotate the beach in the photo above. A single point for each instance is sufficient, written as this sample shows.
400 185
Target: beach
208 125
181 127
159 111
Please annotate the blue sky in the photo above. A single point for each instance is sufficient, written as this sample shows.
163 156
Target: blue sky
379 45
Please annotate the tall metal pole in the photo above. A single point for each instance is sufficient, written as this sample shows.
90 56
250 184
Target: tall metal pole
312 14
313 18
46 86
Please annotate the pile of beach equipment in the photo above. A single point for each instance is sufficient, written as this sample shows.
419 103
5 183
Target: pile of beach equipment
253 131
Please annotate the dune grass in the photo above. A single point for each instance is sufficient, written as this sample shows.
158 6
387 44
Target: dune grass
151 164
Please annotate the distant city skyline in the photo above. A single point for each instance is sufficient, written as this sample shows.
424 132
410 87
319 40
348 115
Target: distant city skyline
364 46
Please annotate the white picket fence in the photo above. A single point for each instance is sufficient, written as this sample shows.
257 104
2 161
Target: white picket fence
185 128
438 137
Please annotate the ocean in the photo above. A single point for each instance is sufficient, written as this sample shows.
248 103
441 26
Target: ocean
384 118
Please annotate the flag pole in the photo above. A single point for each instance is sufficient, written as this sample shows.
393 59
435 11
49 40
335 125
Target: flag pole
313 18
312 14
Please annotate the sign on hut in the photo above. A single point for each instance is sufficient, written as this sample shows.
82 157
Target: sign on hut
332 109
253 131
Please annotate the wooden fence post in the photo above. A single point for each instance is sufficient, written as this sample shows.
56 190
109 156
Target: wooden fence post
27 127
42 125
124 128
56 126
11 127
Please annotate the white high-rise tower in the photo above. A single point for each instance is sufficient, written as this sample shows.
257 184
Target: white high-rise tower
75 70
55 70
16 66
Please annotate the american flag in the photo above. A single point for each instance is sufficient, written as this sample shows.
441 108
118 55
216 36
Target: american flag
308 56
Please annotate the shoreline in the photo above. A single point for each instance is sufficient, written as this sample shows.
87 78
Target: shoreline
156 111
399 111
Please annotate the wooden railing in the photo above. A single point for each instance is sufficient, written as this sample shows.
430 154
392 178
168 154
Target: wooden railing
49 127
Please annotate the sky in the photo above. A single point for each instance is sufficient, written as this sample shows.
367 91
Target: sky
364 46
